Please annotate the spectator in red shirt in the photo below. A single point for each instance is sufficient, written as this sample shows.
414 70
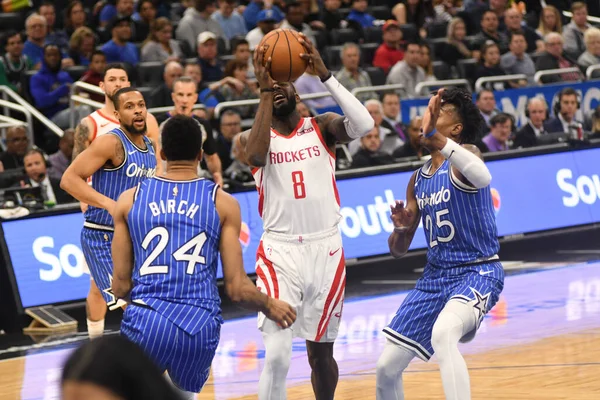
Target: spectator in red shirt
93 75
389 52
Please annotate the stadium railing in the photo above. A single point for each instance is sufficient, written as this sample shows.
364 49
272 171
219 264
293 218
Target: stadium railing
33 112
589 72
422 87
558 71
7 122
500 78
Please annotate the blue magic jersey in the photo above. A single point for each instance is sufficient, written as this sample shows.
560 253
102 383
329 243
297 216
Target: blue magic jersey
459 222
176 230
138 165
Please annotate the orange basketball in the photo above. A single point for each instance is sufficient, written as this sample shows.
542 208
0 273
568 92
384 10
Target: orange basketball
283 47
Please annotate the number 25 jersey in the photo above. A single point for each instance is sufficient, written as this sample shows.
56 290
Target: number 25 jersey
459 221
296 188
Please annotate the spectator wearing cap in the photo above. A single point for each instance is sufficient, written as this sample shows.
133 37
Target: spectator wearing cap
359 14
252 13
294 19
266 21
197 20
119 48
389 52
212 70
231 22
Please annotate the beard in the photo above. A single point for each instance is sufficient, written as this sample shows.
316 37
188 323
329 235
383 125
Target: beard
133 130
285 109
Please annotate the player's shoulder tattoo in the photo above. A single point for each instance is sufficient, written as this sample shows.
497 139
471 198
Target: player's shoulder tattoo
119 157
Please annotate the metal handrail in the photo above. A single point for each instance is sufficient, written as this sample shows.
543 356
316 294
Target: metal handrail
450 82
6 91
159 110
73 97
378 88
17 107
237 103
556 71
590 70
500 78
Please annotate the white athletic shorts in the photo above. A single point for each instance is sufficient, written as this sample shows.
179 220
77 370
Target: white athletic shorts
309 273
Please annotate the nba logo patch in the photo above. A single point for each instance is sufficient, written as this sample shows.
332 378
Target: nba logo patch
244 236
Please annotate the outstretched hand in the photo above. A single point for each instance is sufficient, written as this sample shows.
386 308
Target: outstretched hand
262 71
433 112
401 216
316 66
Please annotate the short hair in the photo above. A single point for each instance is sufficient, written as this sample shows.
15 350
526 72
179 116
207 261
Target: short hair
238 41
8 34
482 91
228 113
567 92
116 97
389 93
34 16
467 112
591 33
110 66
349 45
486 46
487 12
45 3
182 138
292 4
500 118
141 3
183 79
374 102
553 35
578 5
234 64
518 32
411 43
97 53
33 151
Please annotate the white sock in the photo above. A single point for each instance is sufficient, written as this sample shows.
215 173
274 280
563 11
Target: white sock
95 328
183 394
278 356
392 362
456 320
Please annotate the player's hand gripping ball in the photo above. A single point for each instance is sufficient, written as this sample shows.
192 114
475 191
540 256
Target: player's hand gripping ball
284 49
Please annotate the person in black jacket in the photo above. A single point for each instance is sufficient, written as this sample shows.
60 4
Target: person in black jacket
369 154
553 58
537 113
36 170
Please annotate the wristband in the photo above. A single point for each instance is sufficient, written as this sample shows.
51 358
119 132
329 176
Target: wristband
329 74
400 229
430 134
267 90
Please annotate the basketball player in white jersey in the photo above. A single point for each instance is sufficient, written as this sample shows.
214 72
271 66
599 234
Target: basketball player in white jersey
97 124
300 258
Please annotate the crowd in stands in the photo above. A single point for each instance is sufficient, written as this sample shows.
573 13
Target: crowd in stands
364 42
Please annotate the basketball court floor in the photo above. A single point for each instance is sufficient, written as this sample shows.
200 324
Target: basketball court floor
541 341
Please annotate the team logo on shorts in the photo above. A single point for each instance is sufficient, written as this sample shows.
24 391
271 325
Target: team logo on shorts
496 200
244 236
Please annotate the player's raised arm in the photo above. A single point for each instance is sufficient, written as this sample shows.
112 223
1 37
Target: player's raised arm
467 162
356 122
406 220
238 286
122 247
106 149
259 139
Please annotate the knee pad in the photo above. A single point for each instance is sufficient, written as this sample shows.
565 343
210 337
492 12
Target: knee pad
455 323
393 361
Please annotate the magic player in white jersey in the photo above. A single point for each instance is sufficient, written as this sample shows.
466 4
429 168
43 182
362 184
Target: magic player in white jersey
300 258
96 124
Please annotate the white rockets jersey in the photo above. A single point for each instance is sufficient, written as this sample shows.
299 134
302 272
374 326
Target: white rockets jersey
101 124
296 188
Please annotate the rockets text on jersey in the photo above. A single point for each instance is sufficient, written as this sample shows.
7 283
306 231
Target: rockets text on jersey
297 189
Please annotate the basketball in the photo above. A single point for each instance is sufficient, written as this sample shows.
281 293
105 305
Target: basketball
283 47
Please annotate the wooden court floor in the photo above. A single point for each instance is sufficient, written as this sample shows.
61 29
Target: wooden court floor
542 341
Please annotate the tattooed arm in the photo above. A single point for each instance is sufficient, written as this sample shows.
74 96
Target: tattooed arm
104 150
82 137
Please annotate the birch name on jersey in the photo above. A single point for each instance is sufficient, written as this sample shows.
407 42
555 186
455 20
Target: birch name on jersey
281 157
172 206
